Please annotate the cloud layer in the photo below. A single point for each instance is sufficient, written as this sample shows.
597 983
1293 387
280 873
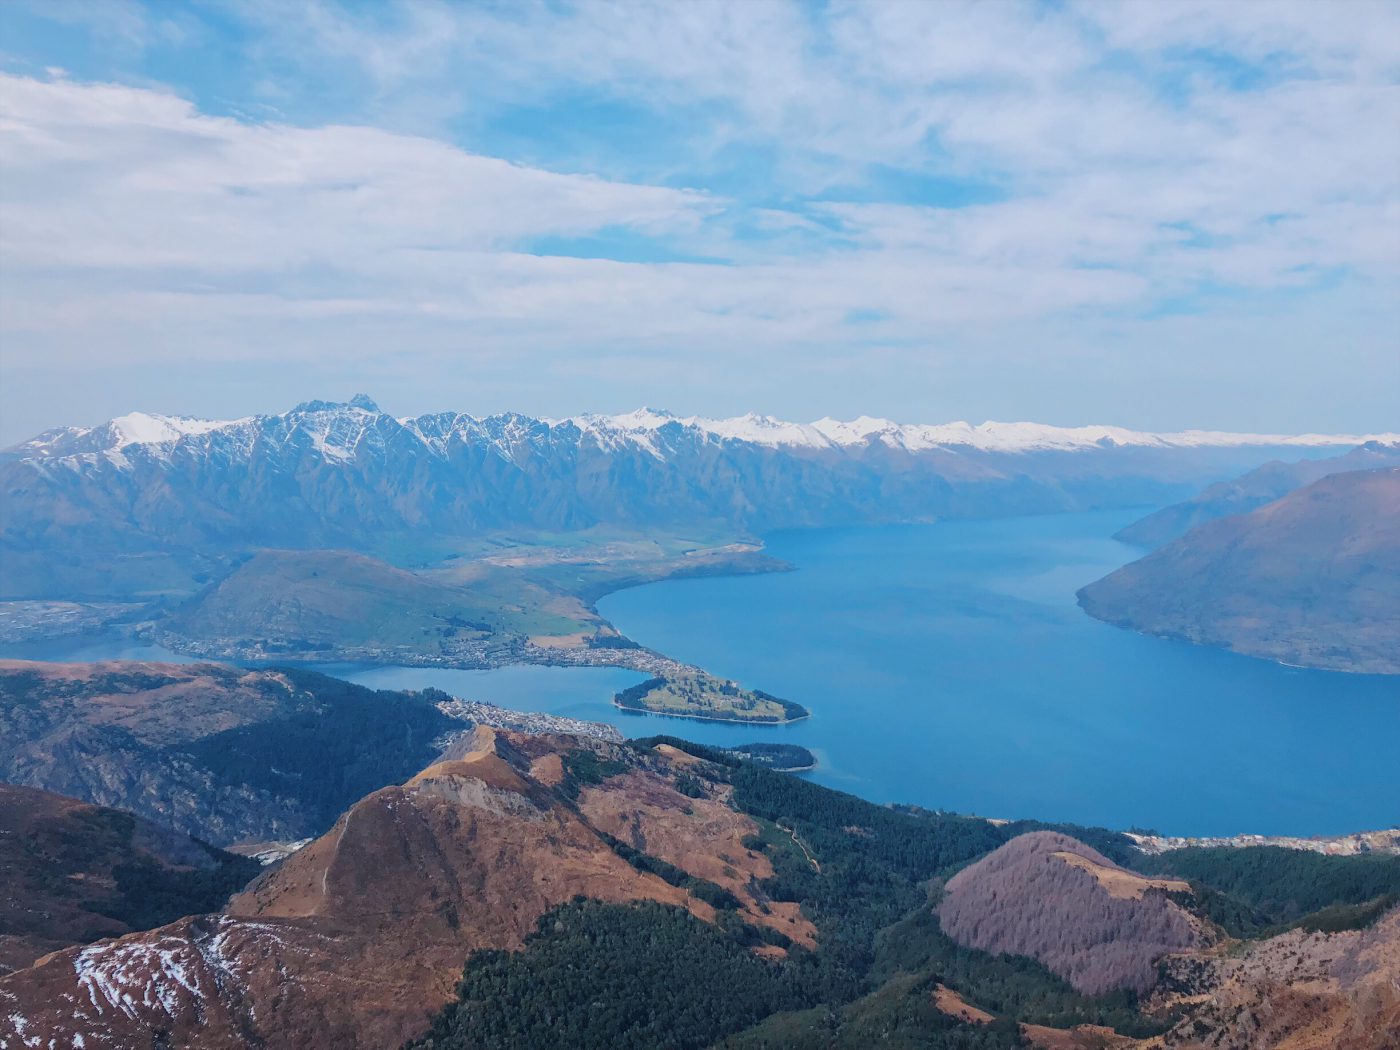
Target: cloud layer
899 204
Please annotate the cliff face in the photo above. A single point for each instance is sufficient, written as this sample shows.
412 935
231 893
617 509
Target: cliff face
360 937
1311 579
1062 903
74 873
217 752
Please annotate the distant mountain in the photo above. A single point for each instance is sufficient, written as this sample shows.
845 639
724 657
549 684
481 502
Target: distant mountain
217 752
75 872
1252 490
1311 579
147 505
1066 905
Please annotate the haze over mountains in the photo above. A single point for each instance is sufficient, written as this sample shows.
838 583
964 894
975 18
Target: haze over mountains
1254 489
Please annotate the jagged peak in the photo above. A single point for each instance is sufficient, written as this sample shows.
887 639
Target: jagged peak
648 429
363 402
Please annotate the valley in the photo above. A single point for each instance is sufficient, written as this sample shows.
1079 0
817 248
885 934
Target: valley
915 647
1029 679
422 855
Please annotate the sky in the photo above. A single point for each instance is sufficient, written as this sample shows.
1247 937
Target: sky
1153 214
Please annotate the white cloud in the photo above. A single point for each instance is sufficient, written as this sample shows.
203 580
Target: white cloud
104 176
1129 170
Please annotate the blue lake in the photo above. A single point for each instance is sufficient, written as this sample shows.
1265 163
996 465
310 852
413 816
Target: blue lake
947 665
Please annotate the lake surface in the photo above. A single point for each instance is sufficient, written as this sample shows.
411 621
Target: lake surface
947 665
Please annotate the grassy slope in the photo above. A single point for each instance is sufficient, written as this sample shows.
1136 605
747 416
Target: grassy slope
539 589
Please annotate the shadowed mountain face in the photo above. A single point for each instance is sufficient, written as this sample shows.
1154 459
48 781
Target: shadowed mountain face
74 872
1250 491
1312 579
1066 905
218 752
146 505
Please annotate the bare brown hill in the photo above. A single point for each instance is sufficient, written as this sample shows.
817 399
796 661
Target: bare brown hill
218 752
1296 991
71 873
357 939
1312 579
1050 897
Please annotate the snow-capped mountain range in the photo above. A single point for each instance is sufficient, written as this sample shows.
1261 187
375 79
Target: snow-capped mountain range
80 507
337 431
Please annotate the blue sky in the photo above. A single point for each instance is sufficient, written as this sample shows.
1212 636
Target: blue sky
1160 215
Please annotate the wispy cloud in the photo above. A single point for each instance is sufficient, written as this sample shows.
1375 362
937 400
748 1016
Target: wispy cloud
504 186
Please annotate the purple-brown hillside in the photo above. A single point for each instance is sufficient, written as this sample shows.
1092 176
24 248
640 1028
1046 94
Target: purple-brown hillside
1050 897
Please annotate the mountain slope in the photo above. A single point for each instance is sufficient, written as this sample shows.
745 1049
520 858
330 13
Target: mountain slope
1312 579
1250 491
218 752
1066 905
73 872
357 938
659 893
146 505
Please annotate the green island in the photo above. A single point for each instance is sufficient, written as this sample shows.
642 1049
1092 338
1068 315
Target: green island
692 693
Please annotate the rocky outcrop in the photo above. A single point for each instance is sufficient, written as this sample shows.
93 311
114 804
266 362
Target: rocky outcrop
1297 990
1312 579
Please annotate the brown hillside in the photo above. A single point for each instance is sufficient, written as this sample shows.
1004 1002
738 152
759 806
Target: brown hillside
1297 991
71 872
1054 899
357 939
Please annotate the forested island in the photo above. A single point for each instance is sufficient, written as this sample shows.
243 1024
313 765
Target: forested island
694 694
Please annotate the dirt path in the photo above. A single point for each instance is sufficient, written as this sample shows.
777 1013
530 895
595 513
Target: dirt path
816 865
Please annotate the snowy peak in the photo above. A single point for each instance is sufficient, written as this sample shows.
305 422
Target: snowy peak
141 428
338 430
990 436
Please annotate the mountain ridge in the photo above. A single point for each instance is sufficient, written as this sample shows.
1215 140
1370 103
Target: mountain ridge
148 507
1260 486
142 428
